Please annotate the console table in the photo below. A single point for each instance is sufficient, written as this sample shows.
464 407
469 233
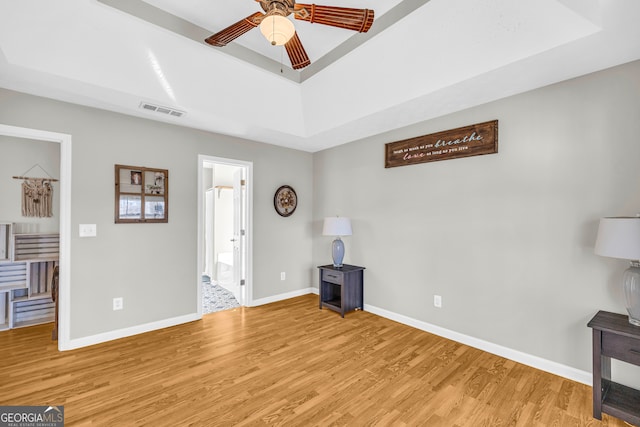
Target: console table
341 288
614 337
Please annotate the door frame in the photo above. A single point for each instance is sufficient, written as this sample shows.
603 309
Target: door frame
248 167
64 261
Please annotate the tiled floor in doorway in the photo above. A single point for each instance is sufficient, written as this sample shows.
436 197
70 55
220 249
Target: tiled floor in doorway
215 297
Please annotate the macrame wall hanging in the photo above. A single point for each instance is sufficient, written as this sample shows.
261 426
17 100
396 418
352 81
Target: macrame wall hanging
37 194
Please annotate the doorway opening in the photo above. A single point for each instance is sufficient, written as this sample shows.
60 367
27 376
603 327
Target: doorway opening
64 143
224 234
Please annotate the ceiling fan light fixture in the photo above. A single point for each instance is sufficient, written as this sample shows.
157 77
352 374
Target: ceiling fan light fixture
276 25
277 29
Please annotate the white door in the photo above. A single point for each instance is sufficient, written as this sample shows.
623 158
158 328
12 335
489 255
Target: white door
238 236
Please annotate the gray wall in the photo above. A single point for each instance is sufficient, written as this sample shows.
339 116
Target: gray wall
153 266
17 156
506 239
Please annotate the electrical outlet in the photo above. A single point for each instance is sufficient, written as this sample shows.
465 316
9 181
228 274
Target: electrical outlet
283 275
87 230
437 301
117 304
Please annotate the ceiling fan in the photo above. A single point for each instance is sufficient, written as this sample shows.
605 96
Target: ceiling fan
279 30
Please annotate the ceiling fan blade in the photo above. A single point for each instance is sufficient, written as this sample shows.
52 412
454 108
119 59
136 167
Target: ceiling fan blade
343 17
297 54
232 32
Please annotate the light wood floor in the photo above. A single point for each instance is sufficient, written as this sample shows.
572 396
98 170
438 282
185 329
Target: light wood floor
287 363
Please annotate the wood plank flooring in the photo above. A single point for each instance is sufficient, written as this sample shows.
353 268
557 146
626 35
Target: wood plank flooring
286 363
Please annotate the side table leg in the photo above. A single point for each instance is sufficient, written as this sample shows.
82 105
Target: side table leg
320 291
597 374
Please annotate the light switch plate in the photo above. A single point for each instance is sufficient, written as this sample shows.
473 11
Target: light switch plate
87 230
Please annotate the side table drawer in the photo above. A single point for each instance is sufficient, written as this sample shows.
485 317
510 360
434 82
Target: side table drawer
336 277
621 347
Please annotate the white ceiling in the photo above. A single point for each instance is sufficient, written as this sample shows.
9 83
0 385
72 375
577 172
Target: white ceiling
439 57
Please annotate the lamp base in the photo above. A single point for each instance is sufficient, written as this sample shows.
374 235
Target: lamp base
337 252
631 286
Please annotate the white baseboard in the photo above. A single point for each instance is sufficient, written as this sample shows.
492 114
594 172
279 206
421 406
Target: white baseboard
508 353
515 355
555 368
166 323
282 297
127 332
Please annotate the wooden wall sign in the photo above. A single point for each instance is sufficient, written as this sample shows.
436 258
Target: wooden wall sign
474 140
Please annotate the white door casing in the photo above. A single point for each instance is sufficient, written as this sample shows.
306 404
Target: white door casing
238 235
64 262
246 243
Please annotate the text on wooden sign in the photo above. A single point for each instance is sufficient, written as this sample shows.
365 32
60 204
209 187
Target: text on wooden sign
474 140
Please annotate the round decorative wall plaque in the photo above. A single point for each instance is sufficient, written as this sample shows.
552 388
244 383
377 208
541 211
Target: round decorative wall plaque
285 200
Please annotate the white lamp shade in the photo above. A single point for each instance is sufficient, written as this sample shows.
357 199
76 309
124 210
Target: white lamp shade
277 29
619 238
336 226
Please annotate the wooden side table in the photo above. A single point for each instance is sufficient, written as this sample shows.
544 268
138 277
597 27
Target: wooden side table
614 337
341 288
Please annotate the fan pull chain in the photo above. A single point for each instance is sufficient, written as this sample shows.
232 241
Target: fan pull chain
281 56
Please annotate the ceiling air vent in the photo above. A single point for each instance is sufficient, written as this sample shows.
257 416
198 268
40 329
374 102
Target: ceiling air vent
160 109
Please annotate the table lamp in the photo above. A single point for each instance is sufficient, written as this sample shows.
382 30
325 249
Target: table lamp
337 226
620 238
